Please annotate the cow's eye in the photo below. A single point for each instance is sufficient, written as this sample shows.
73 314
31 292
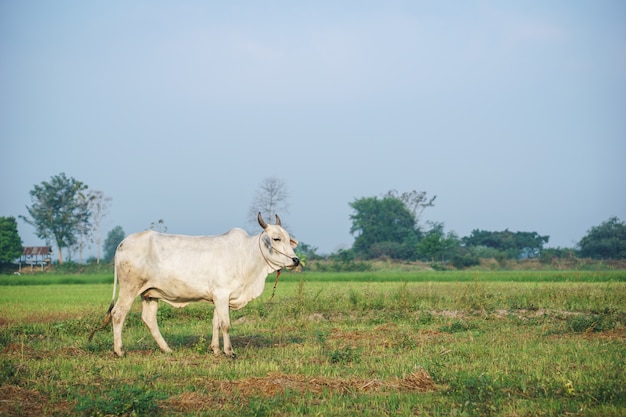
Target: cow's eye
276 239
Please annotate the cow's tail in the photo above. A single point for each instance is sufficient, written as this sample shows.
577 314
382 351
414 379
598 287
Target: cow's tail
107 316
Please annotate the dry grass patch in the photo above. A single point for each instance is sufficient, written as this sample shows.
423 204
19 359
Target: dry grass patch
274 383
278 383
18 401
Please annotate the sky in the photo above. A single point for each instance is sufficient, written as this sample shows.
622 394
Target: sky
512 113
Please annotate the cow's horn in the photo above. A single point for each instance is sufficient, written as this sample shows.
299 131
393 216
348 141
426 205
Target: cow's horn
261 222
277 220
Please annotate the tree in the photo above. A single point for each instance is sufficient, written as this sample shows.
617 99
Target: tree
605 241
270 198
512 245
436 244
415 201
59 211
99 205
158 226
113 239
383 227
84 226
10 241
306 251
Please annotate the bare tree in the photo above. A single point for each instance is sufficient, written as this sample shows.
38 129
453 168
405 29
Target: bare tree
84 227
270 198
415 201
99 205
158 226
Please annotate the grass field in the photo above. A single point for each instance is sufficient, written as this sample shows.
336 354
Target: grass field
506 343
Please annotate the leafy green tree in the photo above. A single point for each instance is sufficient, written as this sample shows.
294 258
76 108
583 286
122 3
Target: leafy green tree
304 250
59 211
463 257
511 244
548 254
605 241
113 239
10 241
383 227
436 244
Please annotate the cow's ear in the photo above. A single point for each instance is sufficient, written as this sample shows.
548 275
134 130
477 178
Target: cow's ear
267 241
293 242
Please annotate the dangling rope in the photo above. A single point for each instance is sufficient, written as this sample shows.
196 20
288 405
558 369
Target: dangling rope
275 284
270 265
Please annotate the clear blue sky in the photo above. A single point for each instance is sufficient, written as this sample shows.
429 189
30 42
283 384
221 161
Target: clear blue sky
512 112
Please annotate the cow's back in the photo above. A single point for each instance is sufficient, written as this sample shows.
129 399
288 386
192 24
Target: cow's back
154 255
155 245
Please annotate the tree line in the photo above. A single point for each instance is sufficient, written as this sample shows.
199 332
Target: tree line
65 211
389 226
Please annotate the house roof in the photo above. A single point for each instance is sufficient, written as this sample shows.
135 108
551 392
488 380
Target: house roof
36 250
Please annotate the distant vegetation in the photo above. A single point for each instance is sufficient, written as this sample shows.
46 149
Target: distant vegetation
389 227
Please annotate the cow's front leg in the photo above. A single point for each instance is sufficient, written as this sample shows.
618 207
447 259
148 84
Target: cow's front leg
221 321
215 339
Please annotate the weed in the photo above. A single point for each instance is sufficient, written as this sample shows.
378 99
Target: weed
261 309
355 297
582 323
165 312
344 356
477 297
121 400
302 302
406 342
403 298
477 394
258 407
201 346
11 373
426 318
586 323
321 336
455 327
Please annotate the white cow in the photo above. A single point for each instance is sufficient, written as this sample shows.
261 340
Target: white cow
228 270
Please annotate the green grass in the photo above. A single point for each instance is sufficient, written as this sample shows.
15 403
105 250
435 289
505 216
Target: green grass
368 276
55 279
398 343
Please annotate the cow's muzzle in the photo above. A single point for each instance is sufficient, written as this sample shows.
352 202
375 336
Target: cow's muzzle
295 261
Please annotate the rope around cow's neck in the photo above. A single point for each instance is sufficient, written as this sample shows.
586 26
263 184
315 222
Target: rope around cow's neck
268 264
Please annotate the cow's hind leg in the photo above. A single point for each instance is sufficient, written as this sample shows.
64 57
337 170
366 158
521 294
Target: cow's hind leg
118 314
149 317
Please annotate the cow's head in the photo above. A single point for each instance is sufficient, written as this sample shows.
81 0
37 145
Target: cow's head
278 245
